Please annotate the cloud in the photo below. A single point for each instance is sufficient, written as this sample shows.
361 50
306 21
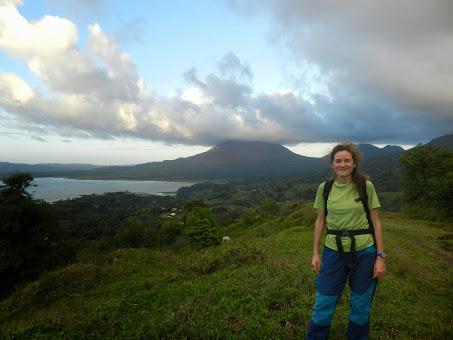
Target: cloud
45 37
10 2
390 58
39 139
230 65
223 92
96 91
14 91
374 89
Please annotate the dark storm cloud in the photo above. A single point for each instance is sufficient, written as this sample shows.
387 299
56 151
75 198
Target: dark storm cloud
388 62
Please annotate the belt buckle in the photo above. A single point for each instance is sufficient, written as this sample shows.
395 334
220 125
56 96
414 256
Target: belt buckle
347 233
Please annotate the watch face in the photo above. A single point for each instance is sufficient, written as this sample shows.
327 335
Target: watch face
381 255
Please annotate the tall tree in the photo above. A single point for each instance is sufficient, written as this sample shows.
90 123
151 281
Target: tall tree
201 227
28 234
427 182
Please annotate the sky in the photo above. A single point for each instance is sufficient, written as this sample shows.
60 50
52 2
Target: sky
127 82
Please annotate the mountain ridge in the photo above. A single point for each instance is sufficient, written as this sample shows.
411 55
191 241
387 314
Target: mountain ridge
229 160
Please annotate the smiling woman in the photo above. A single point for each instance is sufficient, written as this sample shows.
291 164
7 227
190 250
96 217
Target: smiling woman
343 166
353 251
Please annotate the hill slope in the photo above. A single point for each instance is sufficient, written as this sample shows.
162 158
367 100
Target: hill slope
229 160
371 151
259 285
442 142
6 167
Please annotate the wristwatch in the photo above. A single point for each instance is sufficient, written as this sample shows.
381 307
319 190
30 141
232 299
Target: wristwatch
381 255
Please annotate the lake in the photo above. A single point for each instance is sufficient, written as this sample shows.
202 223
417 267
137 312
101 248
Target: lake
54 189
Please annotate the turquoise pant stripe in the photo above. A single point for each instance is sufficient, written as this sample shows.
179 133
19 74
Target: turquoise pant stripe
323 309
360 306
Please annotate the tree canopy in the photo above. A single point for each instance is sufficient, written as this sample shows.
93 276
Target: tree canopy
29 236
427 182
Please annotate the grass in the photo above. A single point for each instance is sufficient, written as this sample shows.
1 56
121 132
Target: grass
258 285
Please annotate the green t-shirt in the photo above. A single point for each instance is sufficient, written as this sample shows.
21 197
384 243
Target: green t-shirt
345 213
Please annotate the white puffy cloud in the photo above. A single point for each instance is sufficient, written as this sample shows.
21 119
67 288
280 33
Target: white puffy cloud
14 90
106 49
97 91
10 3
46 36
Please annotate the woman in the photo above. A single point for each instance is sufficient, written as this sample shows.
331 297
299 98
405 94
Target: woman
354 248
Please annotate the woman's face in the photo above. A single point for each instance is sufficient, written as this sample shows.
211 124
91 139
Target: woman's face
343 164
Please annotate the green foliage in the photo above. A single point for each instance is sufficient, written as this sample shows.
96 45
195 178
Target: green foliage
269 206
17 183
189 205
30 239
428 182
390 201
134 235
169 231
384 172
100 217
201 227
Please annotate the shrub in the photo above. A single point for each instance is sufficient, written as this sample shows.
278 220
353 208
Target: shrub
133 235
169 231
201 227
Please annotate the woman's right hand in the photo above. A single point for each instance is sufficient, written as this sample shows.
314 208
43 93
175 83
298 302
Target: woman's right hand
315 263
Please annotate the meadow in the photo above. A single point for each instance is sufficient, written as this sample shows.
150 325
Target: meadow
258 285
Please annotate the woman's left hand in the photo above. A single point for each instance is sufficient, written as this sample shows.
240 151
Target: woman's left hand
379 268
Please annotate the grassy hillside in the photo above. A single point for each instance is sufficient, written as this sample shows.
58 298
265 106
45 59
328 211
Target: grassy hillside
258 285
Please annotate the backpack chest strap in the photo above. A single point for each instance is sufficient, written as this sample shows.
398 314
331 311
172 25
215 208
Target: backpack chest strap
347 233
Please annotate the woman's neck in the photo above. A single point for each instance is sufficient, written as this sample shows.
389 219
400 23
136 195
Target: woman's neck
343 180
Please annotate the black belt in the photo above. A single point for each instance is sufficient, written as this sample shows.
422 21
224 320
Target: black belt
347 233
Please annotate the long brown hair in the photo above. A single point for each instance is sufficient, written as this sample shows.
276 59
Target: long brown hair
357 175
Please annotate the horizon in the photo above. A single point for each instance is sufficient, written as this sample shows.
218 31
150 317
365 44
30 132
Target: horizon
118 83
317 151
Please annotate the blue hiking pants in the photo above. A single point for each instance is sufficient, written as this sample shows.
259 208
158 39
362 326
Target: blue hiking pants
358 269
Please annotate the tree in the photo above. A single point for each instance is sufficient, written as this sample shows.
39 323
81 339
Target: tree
17 183
201 227
133 234
427 182
269 206
189 206
29 237
169 231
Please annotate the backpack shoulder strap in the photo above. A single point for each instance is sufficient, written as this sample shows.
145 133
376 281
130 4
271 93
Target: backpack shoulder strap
364 198
326 192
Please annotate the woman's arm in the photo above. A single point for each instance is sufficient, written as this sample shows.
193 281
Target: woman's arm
379 266
319 225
